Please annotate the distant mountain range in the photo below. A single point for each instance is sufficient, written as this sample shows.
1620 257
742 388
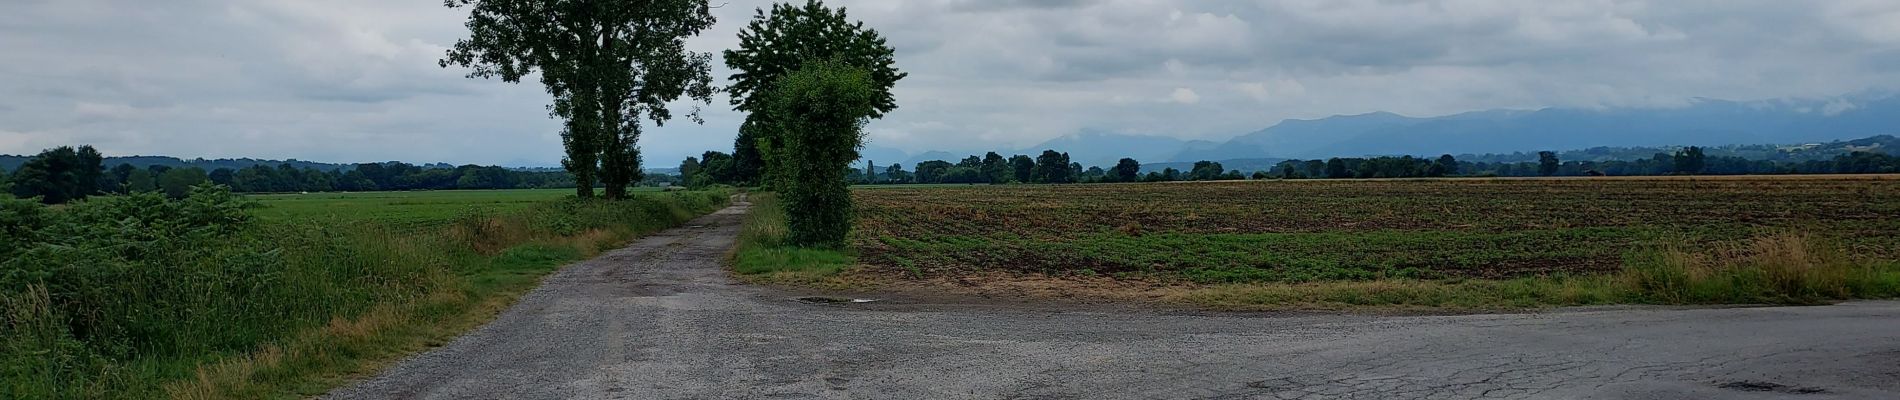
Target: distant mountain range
1702 122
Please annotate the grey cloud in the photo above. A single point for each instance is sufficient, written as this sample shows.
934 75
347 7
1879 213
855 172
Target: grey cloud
355 80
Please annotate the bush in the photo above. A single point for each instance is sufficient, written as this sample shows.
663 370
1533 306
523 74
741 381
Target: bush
821 110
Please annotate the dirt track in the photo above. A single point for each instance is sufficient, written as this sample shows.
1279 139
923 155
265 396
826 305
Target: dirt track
661 320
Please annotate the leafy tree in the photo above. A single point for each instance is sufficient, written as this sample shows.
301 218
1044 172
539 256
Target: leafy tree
223 176
140 181
932 171
997 169
1447 165
1690 160
1206 171
777 43
1547 163
689 169
895 174
746 161
820 110
717 167
1053 167
1024 168
606 63
117 175
1258 175
177 182
1127 170
60 175
1336 169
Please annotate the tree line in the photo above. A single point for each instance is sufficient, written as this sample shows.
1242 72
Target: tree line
1054 167
67 173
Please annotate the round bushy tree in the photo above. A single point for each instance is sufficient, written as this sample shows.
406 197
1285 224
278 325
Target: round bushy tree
821 110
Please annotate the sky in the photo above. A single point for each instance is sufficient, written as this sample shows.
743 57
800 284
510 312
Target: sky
357 80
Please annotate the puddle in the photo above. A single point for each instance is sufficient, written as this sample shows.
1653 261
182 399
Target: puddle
1759 386
830 300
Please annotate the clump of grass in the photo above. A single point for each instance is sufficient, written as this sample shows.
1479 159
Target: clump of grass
1785 268
1779 268
763 252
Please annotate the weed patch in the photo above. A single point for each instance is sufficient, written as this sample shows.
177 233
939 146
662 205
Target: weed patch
140 297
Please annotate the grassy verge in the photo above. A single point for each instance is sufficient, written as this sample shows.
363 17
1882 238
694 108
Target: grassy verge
1781 268
762 255
276 308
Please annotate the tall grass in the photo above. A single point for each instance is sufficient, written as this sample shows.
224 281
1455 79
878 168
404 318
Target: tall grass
1782 268
138 297
763 252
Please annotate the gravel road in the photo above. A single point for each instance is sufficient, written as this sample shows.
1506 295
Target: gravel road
661 320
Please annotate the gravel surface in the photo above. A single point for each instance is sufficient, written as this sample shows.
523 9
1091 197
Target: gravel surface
661 320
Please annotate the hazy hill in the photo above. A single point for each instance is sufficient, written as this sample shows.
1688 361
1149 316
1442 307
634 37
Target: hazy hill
1704 122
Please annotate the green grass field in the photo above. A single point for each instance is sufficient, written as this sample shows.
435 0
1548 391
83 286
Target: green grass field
404 210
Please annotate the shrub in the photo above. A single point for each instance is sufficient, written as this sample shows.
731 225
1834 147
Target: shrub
821 110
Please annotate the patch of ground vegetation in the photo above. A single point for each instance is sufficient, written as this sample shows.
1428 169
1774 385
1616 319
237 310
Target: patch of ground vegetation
138 296
1465 243
763 255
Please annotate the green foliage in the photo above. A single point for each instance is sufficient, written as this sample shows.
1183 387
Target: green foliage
1126 170
780 42
997 169
762 247
1053 167
631 58
177 182
1547 163
712 168
59 175
1690 161
128 296
821 110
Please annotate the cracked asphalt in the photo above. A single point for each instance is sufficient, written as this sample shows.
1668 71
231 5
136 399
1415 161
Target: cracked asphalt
660 319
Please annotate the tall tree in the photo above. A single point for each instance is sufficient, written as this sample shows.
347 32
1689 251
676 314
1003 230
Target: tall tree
1024 167
689 169
1053 167
997 169
1447 165
1690 161
1336 169
140 181
60 174
783 40
177 182
895 174
1127 170
1206 171
870 171
821 110
607 63
1547 163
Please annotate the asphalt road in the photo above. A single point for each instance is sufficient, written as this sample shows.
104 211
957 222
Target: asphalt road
661 320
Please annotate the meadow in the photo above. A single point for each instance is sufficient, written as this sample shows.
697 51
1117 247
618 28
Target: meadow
278 296
1295 232
405 210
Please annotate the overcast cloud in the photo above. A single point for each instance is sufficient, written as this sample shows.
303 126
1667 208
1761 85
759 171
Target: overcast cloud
356 80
